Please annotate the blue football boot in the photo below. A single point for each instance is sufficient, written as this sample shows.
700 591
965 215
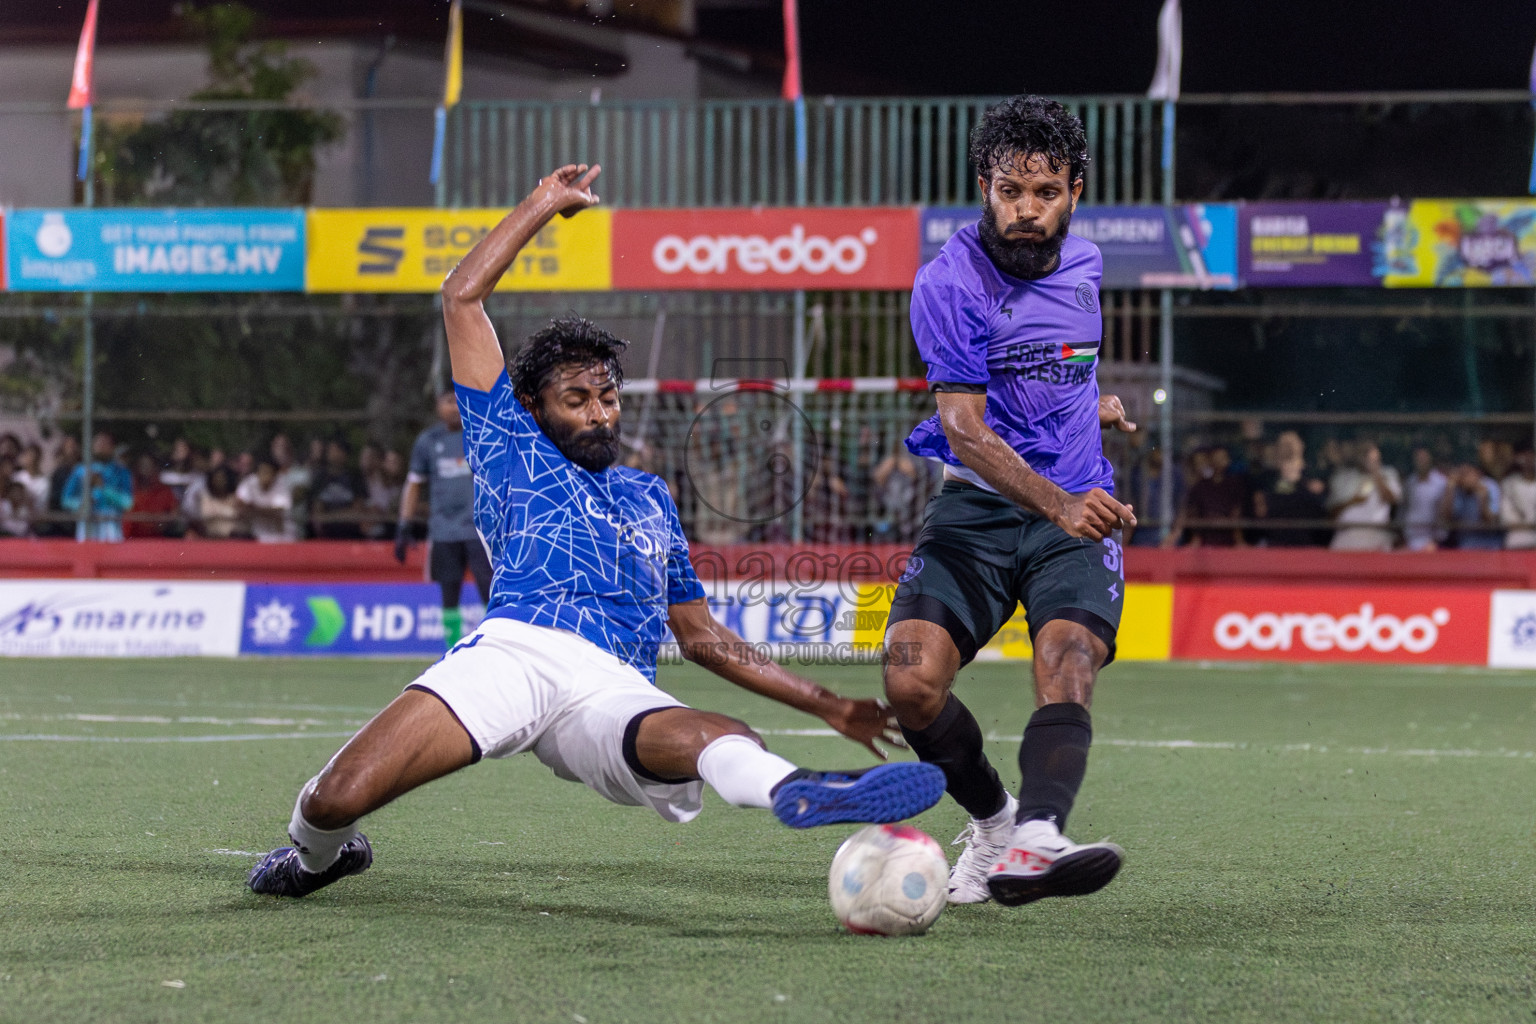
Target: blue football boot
280 874
875 796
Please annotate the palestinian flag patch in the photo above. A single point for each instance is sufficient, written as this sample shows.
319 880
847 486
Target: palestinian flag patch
1080 352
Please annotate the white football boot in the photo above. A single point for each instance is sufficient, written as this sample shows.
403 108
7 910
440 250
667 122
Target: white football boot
1039 861
985 840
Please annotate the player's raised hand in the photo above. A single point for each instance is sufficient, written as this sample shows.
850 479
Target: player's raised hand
865 722
1112 414
570 188
1095 515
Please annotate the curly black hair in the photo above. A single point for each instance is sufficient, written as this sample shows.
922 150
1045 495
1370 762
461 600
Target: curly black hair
567 341
1029 126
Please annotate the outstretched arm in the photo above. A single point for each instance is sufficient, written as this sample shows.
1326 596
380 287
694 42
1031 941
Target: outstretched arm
1094 515
472 346
707 642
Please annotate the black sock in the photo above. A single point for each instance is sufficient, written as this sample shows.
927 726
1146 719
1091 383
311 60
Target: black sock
1052 760
953 742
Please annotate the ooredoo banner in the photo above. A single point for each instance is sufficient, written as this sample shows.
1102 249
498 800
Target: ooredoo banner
765 248
119 619
1414 625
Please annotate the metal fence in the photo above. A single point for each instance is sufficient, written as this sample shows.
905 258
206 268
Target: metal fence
742 152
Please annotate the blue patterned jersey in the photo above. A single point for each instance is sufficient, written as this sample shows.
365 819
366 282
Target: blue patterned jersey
599 554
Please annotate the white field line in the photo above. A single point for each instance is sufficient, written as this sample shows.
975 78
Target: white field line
1302 748
179 720
59 738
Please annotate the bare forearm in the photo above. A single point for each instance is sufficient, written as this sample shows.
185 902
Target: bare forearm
990 458
473 280
408 502
731 658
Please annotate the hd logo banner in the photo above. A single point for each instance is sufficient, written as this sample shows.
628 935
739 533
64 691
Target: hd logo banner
412 250
126 250
352 619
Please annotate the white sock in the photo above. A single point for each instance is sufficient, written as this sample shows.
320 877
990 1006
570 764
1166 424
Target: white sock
318 849
742 772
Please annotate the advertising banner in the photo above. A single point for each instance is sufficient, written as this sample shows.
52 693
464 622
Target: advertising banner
1303 245
765 248
1145 628
1188 246
412 250
348 619
129 250
1411 625
1461 243
119 619
1512 629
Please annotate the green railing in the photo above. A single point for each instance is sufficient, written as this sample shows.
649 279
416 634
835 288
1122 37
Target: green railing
742 152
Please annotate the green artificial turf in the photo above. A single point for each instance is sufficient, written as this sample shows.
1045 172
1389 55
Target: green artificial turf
1303 844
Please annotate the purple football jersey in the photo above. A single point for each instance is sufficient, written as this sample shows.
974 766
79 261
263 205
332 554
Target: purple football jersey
1032 345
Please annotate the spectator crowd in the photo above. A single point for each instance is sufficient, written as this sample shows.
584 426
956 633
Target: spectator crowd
1270 494
1350 499
271 495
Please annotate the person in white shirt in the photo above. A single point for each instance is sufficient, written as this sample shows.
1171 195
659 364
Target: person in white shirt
1517 509
1422 528
1361 499
265 501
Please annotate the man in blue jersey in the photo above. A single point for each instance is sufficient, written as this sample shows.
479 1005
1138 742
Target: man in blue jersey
590 567
1007 321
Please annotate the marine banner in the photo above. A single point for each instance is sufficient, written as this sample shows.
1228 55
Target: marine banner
119 619
1192 245
131 250
1297 245
1460 243
412 250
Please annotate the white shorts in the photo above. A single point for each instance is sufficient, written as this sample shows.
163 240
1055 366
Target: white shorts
517 687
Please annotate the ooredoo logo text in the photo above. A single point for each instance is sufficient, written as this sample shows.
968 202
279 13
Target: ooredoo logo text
1356 631
789 253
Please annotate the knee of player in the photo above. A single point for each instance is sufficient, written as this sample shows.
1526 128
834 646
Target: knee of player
909 688
336 800
1070 651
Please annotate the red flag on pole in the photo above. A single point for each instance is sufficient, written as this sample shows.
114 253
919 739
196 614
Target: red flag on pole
82 85
791 50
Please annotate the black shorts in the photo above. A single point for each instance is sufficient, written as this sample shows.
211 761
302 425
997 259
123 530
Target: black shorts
979 556
448 561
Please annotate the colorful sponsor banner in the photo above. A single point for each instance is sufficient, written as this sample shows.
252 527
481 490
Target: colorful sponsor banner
1144 634
130 250
1413 625
349 619
1187 246
765 248
1461 243
1302 245
4 277
1512 629
119 619
412 250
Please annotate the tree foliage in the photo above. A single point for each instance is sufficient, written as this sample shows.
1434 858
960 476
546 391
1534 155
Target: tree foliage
224 157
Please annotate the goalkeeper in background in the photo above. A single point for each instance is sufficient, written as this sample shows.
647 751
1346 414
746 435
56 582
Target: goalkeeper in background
437 460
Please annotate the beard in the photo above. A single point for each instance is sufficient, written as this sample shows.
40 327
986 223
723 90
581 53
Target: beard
593 450
1021 257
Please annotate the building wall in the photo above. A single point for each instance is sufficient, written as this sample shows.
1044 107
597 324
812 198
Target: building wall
383 158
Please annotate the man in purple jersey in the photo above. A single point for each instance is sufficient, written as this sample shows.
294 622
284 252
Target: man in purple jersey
1007 320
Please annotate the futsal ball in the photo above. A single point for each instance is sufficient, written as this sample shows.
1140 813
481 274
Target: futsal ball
888 880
